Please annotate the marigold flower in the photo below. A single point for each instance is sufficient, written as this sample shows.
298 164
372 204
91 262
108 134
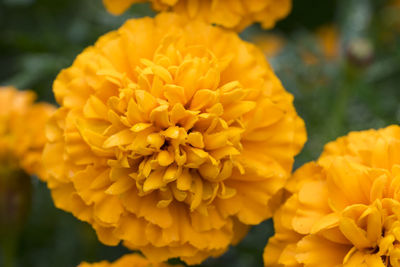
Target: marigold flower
131 260
171 136
270 44
22 135
233 14
329 41
345 208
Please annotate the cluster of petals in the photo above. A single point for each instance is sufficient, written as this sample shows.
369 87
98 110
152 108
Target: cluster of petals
130 260
232 14
172 136
22 134
344 209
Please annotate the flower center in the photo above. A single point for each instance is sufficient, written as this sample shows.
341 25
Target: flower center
374 229
174 125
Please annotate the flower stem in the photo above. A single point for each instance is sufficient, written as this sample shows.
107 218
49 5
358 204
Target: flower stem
338 123
9 248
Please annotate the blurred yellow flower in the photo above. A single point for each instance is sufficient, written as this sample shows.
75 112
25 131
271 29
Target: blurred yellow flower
329 40
270 44
327 46
345 208
130 260
233 14
22 134
172 136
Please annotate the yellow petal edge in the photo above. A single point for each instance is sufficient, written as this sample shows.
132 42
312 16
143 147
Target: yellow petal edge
231 14
130 260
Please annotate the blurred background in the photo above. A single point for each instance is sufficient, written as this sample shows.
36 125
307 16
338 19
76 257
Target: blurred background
340 59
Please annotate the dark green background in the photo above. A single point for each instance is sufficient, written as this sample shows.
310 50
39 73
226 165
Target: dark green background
40 37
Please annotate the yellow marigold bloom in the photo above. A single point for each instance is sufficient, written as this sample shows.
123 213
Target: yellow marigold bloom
329 41
233 14
22 135
270 44
345 208
172 136
131 260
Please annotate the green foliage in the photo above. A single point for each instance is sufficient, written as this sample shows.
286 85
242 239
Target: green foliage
359 89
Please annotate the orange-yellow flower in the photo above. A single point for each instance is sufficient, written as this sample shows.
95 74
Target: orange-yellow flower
329 42
22 135
233 14
172 136
345 208
130 260
270 44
